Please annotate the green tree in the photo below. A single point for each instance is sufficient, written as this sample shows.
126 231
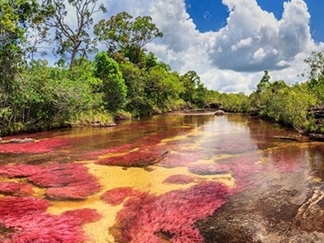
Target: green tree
71 42
264 82
316 74
15 18
47 97
255 97
137 102
125 37
113 88
193 90
162 88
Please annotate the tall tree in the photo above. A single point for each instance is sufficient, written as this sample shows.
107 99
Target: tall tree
113 87
194 90
127 36
15 17
72 40
316 74
264 82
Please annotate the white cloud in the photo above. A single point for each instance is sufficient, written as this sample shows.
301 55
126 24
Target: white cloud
270 42
233 58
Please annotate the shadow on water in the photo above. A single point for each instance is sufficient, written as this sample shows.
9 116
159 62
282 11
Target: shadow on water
172 178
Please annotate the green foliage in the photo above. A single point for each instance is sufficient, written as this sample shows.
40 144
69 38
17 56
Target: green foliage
316 74
15 17
46 97
137 101
125 37
193 90
282 103
233 102
113 86
162 88
150 90
71 43
229 102
89 117
264 82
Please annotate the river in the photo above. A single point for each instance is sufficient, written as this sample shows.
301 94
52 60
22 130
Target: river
180 177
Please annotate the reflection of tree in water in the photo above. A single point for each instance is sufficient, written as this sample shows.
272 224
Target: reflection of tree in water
316 161
279 149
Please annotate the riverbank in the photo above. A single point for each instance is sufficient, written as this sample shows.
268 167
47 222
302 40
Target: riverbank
113 121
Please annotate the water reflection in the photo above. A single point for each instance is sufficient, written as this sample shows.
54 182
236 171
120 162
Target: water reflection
161 161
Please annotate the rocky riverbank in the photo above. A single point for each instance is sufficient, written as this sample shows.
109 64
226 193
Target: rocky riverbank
278 211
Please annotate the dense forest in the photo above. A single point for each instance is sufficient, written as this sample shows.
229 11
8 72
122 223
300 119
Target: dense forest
86 86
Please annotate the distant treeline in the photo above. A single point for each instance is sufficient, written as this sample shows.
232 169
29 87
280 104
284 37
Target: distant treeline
290 105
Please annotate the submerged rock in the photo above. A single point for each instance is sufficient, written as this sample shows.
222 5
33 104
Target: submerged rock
20 140
267 214
220 113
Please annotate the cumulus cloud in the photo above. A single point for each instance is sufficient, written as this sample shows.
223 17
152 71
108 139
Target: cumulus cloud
233 58
254 39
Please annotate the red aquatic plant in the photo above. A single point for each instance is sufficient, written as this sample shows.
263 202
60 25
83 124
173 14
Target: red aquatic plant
74 191
115 149
117 195
16 189
12 171
26 220
230 144
179 179
244 165
58 175
287 158
209 169
139 158
149 218
66 181
172 160
241 168
63 181
151 140
42 146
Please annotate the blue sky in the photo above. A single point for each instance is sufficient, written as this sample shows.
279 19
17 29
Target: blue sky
210 15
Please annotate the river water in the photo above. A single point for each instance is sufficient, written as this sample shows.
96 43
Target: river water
151 180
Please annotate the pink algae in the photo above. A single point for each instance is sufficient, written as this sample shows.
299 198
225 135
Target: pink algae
172 160
16 189
25 220
139 158
42 146
241 166
63 181
12 171
149 218
287 159
179 179
117 195
209 169
112 150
